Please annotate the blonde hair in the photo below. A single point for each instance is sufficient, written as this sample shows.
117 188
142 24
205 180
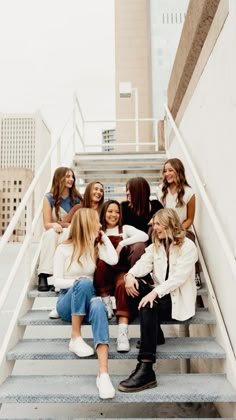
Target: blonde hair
173 228
83 234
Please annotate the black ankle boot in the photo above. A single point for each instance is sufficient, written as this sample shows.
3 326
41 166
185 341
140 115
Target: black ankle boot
43 283
141 378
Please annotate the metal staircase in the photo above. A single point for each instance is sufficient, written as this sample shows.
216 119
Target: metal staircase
114 169
47 378
182 345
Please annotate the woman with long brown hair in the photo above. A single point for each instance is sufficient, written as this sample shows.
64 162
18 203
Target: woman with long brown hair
59 206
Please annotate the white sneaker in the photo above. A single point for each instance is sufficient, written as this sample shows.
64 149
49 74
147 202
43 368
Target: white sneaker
80 348
105 387
108 303
123 341
54 314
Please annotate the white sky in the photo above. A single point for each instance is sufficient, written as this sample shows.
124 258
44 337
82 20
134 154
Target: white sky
49 49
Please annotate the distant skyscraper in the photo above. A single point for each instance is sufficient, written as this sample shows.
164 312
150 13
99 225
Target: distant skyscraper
24 142
147 33
166 22
108 138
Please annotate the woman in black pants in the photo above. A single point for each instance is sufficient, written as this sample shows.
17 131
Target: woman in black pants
171 260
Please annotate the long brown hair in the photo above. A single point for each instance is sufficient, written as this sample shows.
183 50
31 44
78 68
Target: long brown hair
178 167
87 202
139 190
58 185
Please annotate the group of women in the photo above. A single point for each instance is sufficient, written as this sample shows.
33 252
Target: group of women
139 250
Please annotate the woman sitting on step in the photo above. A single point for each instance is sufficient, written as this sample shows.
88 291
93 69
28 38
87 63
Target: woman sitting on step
137 211
59 206
110 279
93 197
171 259
74 266
176 193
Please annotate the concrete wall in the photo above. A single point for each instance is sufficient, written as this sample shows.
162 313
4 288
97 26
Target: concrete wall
202 97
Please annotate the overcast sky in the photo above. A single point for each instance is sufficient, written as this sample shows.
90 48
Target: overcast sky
50 48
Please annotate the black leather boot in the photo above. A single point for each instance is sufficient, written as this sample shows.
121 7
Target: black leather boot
141 378
43 283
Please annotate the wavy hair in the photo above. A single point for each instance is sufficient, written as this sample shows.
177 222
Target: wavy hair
58 185
104 212
175 233
178 167
83 234
139 190
87 200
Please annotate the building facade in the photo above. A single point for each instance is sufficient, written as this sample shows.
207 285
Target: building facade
147 33
24 142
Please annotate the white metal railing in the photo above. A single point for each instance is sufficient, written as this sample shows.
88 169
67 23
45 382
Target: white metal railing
212 215
61 145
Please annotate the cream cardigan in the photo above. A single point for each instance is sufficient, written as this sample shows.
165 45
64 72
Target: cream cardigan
181 281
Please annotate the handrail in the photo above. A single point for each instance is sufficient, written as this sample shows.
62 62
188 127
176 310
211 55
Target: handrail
28 193
228 253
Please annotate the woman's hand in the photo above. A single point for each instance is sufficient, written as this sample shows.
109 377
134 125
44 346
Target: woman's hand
118 250
131 285
149 298
57 227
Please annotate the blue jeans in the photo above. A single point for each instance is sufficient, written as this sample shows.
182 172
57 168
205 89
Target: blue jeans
80 299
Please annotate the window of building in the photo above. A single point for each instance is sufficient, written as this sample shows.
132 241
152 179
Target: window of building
19 189
3 208
15 182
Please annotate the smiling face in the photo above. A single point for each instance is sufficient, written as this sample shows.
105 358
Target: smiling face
97 193
169 174
69 179
112 215
159 229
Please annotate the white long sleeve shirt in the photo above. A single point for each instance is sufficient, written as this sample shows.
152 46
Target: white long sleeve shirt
130 235
64 273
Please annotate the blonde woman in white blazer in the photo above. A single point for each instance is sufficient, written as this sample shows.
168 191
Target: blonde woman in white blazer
171 260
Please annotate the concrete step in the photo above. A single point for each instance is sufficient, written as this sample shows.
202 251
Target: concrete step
174 348
82 389
112 178
119 169
35 293
123 157
41 317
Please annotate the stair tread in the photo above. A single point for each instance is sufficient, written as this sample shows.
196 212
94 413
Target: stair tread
41 317
35 293
82 389
174 348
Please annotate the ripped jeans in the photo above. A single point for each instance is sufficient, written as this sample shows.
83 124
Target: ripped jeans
80 299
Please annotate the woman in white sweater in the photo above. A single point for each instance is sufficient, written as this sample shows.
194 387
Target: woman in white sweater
171 260
74 267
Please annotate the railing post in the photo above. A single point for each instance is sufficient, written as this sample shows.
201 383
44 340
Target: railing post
29 219
136 118
156 135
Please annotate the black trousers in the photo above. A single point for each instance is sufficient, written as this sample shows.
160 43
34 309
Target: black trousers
150 320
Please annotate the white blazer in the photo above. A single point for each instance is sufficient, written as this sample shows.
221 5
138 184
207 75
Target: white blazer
181 281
